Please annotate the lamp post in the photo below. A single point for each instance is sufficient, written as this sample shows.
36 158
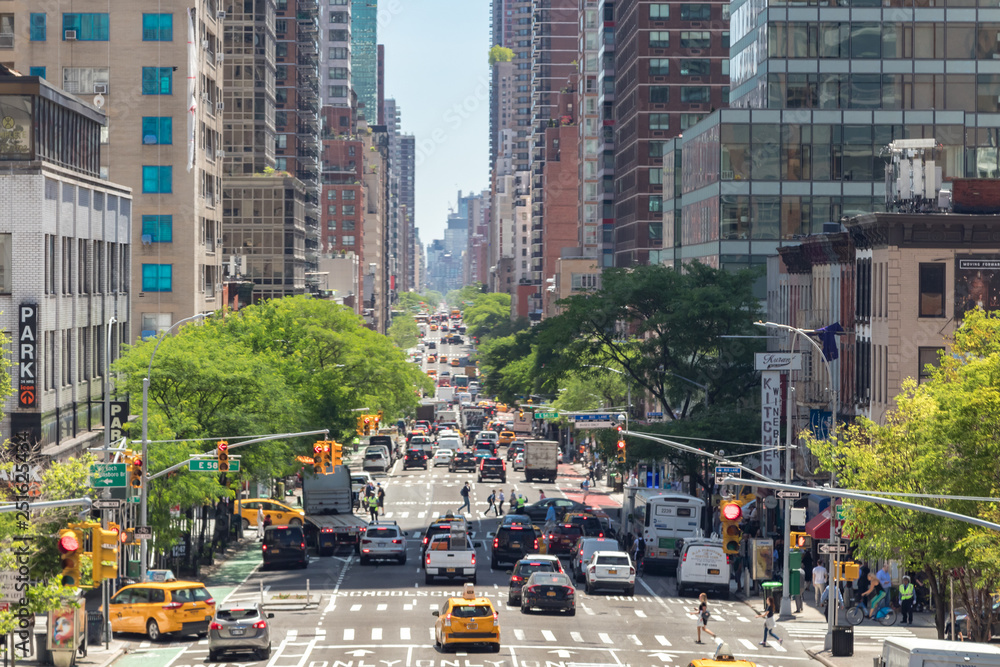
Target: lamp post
144 487
832 607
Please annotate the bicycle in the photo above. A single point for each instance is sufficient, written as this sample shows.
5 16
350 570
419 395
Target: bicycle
885 614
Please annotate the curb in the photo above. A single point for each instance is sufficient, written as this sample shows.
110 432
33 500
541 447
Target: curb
816 653
117 653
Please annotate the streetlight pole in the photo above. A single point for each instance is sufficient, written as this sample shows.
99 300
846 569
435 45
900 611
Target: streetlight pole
105 590
834 539
144 487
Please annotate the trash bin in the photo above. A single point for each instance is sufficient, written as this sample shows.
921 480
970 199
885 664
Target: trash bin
42 654
773 588
95 627
843 641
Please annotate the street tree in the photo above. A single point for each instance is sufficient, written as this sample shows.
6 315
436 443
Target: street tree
404 332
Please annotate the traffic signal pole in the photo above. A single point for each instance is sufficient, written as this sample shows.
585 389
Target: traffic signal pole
785 613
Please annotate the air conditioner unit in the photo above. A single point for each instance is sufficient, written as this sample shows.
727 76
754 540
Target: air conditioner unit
658 133
220 106
69 35
205 98
147 239
221 15
657 79
694 52
695 78
100 88
697 24
219 57
220 153
204 44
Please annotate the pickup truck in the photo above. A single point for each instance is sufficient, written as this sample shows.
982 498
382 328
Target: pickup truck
450 556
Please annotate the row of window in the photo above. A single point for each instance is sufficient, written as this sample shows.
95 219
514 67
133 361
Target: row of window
689 39
660 11
345 225
82 266
691 94
347 194
346 209
95 27
687 67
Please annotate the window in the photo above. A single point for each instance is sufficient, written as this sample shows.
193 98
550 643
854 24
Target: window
659 121
331 194
660 11
656 204
157 179
88 27
331 225
38 27
331 209
656 148
338 73
347 226
6 270
81 80
338 91
689 119
347 240
659 39
348 209
157 130
691 67
158 228
932 290
695 39
694 12
927 356
659 66
36 71
157 277
659 94
157 81
694 94
348 194
656 176
338 53
583 281
157 27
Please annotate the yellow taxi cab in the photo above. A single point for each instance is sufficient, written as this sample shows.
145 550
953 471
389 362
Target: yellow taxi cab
723 658
434 327
443 358
280 513
432 358
455 361
157 608
432 372
467 620
506 437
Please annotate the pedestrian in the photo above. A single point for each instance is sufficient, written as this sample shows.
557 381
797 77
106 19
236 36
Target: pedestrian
906 596
522 500
500 502
381 499
703 615
639 552
260 522
491 502
373 506
807 568
541 496
267 521
465 498
819 580
770 609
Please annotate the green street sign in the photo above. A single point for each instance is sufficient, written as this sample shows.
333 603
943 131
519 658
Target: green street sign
546 415
211 465
841 513
107 475
134 499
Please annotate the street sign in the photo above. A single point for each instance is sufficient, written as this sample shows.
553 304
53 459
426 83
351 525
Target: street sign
722 472
113 504
826 548
144 532
546 415
107 475
841 514
788 495
596 420
9 581
134 499
654 415
211 465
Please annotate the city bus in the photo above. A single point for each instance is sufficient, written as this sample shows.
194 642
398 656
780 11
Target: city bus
460 381
663 518
456 314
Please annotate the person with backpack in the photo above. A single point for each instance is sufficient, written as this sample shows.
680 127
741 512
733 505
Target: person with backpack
465 498
491 503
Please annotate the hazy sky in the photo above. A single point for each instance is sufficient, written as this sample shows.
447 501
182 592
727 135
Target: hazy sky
436 67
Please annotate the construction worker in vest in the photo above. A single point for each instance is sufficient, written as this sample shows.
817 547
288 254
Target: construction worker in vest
906 598
373 506
522 500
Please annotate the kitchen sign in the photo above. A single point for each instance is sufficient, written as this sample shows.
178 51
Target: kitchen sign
27 355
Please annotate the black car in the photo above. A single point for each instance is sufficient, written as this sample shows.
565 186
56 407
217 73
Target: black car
415 458
514 448
492 467
284 545
512 542
526 567
463 461
548 590
537 511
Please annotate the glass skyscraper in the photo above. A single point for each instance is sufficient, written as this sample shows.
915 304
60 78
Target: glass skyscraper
364 55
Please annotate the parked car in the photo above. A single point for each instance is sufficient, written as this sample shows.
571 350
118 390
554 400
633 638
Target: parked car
524 568
548 590
610 569
240 627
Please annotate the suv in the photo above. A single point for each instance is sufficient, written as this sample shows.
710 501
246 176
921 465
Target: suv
610 569
524 568
591 525
515 448
492 467
383 540
284 545
512 542
376 459
164 607
584 549
415 458
462 461
385 441
563 538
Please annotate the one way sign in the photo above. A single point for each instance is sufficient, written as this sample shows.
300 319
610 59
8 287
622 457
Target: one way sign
827 548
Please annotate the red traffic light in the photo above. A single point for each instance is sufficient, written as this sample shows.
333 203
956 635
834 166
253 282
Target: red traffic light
317 448
367 420
621 444
223 446
68 544
123 537
731 512
326 448
137 462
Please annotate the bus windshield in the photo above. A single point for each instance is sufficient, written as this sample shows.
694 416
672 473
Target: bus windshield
460 381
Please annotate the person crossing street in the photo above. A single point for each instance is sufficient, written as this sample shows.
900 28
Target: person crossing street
491 503
499 502
465 498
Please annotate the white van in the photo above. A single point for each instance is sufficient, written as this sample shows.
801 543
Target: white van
914 652
703 567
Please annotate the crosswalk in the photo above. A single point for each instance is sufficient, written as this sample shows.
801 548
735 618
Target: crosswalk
815 632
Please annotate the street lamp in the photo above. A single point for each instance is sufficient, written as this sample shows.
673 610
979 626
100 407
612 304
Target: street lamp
144 488
786 605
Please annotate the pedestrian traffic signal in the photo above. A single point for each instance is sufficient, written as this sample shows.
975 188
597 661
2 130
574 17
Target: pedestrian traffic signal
70 549
731 513
621 450
336 453
800 540
135 472
222 452
104 552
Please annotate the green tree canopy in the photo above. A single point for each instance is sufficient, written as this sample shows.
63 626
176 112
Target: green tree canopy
500 54
404 332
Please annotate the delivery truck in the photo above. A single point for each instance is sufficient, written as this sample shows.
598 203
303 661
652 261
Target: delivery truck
541 460
328 501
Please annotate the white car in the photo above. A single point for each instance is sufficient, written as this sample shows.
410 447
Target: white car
442 457
519 462
610 569
448 433
454 443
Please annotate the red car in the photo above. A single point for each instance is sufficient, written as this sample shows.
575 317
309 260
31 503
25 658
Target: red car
563 538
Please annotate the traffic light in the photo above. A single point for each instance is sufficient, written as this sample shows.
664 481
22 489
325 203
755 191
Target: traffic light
800 540
368 425
104 552
319 458
378 419
222 452
127 536
336 455
70 549
135 473
731 513
621 451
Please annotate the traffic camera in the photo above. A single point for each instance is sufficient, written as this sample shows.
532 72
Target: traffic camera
70 549
135 473
104 552
731 513
222 452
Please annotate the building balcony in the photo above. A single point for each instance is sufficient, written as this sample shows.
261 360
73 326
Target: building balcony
306 176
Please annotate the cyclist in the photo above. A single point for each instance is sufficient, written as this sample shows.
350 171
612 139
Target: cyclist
875 595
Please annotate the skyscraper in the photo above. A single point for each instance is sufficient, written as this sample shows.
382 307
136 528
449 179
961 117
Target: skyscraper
364 56
335 53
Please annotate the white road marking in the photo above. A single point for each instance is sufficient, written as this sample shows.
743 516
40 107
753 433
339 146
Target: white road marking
576 636
604 637
381 607
640 613
549 637
748 644
663 640
348 634
404 634
519 634
376 634
355 607
635 640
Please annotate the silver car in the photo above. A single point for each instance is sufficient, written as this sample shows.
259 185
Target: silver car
383 540
240 627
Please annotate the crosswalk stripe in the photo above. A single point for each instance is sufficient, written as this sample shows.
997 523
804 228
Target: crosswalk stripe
640 613
748 644
404 634
663 640
348 634
382 607
355 607
779 648
741 619
549 637
376 634
576 636
519 634
604 637
635 640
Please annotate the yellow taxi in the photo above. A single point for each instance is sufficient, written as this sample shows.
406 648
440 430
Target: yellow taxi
506 437
431 372
432 358
723 658
163 607
467 620
455 361
443 358
280 513
434 327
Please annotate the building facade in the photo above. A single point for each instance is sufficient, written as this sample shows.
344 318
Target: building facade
364 56
335 53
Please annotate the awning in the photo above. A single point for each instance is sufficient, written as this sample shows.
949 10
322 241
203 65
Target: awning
818 527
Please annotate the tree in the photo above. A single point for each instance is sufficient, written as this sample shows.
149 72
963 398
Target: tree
412 302
500 54
665 329
404 332
487 313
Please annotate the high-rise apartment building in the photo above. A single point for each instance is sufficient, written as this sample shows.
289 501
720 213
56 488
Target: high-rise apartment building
364 56
343 206
335 53
606 105
156 72
590 128
510 86
671 70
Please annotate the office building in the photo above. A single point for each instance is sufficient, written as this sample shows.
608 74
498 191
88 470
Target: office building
407 202
157 74
65 260
364 57
335 53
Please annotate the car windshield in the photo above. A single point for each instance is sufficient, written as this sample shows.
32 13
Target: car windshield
374 455
612 560
471 610
381 532
550 580
525 569
283 537
237 614
199 594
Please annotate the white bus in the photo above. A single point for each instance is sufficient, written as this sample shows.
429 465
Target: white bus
662 518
